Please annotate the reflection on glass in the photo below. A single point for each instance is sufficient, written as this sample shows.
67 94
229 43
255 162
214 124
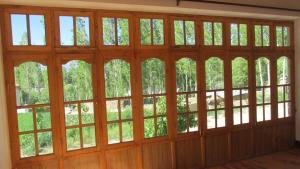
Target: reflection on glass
37 30
19 29
66 27
82 31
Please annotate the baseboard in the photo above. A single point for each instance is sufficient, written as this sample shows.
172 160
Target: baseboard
297 144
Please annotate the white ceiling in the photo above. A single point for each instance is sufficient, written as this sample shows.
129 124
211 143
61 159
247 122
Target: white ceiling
169 6
292 4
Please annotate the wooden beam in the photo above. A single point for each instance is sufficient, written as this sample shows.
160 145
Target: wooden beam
242 5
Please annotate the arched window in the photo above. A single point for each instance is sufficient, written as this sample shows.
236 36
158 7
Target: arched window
186 91
78 105
154 98
240 91
215 95
33 109
263 89
118 101
283 87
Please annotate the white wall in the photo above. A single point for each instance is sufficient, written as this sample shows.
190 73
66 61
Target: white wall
5 162
297 74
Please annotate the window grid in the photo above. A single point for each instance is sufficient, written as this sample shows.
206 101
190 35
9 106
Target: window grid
285 102
263 104
216 109
185 33
117 39
188 113
259 39
120 119
281 41
213 34
152 43
241 105
35 130
239 43
155 115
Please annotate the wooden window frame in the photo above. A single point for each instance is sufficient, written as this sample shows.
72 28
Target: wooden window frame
62 60
74 14
115 15
25 11
138 31
172 31
224 34
246 57
249 33
193 56
290 85
271 35
291 35
220 55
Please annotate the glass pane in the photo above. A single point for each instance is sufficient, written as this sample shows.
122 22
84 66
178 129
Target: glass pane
287 93
82 31
88 136
161 105
127 131
71 115
153 76
123 32
258 35
262 67
43 118
286 36
112 110
259 113
192 103
245 115
149 128
280 94
109 34
279 40
45 143
181 103
218 35
145 30
31 81
25 120
239 73
220 99
267 95
73 139
288 109
148 107
37 30
19 29
182 123
266 35
210 100
236 96
259 95
126 109
190 32
245 97
243 35
211 119
162 126
66 27
283 71
193 119
267 112
221 118
234 38
27 145
87 113
236 116
214 73
77 79
186 75
179 32
208 38
113 133
117 78
158 31
280 110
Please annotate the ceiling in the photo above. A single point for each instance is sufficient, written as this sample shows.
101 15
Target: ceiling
289 4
